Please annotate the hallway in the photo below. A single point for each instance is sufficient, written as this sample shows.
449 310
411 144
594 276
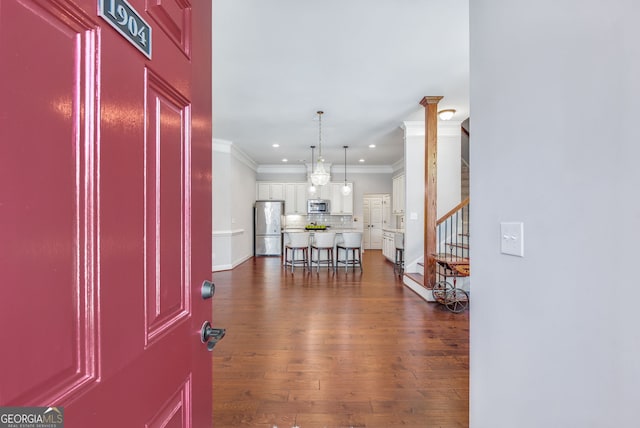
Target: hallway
335 350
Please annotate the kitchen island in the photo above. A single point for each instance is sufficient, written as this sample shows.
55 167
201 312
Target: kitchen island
338 239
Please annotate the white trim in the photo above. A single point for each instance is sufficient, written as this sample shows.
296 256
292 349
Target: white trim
416 128
224 146
335 169
244 158
281 169
233 232
217 268
413 128
361 169
450 128
398 165
418 289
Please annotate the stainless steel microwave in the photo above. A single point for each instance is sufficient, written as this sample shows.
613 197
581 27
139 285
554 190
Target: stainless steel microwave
318 206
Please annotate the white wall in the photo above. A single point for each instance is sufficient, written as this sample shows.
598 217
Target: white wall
449 165
221 222
243 179
449 135
555 144
234 185
414 199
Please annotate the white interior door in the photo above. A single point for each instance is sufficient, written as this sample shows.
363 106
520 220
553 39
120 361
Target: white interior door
372 218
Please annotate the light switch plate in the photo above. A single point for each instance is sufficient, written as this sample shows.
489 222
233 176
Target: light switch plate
512 238
413 216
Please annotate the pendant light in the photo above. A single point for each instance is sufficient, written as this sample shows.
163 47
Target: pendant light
346 189
320 176
312 188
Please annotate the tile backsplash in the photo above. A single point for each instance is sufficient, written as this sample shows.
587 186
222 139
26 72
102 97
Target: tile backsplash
335 221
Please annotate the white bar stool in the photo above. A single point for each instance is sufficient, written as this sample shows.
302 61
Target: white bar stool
298 243
323 242
351 245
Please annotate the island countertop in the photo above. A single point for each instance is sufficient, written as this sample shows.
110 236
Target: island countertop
330 229
389 229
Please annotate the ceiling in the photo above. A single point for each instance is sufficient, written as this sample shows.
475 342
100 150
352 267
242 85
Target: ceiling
366 64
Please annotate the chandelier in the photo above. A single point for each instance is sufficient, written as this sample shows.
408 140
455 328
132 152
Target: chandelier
346 189
319 176
312 188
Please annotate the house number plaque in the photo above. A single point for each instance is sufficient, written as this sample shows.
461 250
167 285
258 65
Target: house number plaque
124 18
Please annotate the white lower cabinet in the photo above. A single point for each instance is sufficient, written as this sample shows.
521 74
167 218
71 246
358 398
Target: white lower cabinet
389 246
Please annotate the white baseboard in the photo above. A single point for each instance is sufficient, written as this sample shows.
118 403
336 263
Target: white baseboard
418 289
217 268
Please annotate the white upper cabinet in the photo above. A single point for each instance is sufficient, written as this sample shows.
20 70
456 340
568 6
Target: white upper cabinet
322 192
295 198
341 204
273 191
398 194
386 211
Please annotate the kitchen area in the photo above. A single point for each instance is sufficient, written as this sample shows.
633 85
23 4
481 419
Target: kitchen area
239 182
284 208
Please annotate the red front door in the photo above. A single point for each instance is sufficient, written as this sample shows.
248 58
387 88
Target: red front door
105 213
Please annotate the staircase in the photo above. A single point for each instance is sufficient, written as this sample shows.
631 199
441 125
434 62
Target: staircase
464 180
453 252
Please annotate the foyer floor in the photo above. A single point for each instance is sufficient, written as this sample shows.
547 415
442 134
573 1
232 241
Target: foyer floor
335 350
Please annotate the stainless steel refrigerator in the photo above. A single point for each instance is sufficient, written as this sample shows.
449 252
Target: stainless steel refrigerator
268 228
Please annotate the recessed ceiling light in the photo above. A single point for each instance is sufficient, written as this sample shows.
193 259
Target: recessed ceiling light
285 160
275 145
372 146
361 160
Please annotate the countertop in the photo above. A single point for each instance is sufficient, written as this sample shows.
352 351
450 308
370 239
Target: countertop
388 229
331 229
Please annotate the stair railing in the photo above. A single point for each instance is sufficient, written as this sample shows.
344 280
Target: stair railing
452 231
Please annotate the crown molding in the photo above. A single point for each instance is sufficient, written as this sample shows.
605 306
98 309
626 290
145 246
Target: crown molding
413 128
334 169
398 165
450 128
281 169
416 128
243 158
225 146
222 146
362 169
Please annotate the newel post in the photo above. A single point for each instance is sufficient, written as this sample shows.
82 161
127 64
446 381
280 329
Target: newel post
430 105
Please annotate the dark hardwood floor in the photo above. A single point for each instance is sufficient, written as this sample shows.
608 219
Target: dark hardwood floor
335 350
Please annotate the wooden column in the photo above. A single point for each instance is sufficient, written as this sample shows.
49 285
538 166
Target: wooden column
430 105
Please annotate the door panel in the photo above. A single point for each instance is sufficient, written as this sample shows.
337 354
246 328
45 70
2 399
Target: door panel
175 412
366 218
105 216
372 217
47 210
376 223
166 233
174 18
